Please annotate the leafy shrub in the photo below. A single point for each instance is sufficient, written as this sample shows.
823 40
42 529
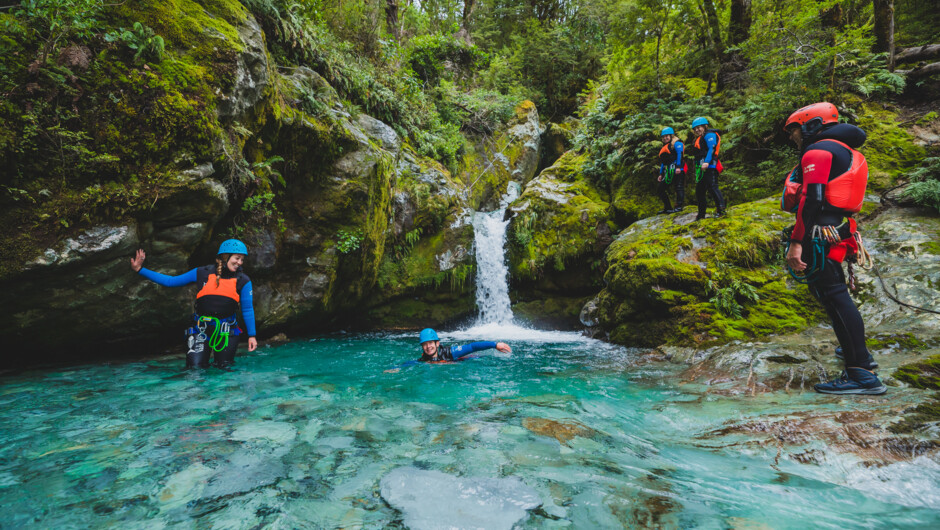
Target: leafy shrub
141 40
347 241
925 184
433 57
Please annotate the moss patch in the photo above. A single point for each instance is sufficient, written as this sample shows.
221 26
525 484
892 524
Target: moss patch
665 280
890 149
922 374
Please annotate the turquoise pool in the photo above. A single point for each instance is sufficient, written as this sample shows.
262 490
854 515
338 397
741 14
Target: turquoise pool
302 434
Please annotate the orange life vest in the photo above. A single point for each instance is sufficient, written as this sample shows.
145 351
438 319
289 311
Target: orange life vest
845 191
226 288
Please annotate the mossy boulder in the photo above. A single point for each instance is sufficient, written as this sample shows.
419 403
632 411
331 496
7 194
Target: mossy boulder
556 241
512 155
426 275
921 374
891 151
672 280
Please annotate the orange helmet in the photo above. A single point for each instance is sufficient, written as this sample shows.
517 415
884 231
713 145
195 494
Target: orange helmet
812 118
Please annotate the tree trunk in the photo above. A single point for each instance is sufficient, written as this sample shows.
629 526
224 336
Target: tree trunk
391 19
921 71
711 17
884 29
731 72
920 53
739 27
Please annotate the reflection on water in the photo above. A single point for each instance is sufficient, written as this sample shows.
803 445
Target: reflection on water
301 435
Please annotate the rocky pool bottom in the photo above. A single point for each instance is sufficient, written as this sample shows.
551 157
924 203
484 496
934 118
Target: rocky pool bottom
564 432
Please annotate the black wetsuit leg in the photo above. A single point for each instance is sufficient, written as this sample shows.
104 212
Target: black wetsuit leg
700 187
197 355
830 289
226 357
661 188
199 358
710 178
679 181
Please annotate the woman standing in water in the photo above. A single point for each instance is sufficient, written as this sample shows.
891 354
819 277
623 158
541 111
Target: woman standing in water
223 287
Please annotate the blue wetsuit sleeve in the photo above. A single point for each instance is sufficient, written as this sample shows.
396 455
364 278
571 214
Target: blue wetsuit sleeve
462 351
679 149
169 281
710 142
248 309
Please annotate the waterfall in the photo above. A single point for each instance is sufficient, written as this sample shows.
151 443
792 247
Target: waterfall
489 231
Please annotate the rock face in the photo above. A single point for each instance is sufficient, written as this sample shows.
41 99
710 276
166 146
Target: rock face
557 236
512 156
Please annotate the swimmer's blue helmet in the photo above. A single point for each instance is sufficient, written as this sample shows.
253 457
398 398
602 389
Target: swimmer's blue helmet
699 121
233 246
667 130
427 335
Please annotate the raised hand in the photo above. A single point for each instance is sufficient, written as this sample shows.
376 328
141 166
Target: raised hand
138 260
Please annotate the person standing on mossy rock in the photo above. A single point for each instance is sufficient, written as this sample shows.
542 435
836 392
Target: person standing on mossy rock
223 288
824 190
707 167
672 170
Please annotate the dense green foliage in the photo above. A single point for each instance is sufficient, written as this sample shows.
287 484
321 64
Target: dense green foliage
99 100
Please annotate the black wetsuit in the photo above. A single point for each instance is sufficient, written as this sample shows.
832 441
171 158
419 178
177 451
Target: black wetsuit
820 162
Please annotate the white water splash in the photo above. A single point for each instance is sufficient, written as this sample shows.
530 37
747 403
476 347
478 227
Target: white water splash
489 231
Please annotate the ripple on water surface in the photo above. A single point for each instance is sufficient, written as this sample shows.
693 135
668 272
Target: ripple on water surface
302 435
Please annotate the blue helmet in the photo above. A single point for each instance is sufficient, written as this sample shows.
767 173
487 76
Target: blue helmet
667 130
233 246
699 121
427 334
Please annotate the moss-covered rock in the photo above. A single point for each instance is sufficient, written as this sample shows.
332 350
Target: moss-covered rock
513 155
891 151
556 239
921 374
675 281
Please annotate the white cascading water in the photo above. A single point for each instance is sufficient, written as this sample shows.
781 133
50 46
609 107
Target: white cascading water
495 320
489 231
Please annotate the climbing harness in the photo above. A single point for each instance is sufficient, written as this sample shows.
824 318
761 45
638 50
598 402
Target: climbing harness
221 329
670 172
817 259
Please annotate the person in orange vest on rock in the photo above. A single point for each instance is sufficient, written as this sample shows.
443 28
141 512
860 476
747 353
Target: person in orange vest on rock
707 145
672 170
824 190
223 288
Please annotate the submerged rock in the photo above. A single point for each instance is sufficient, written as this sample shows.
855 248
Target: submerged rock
563 431
432 500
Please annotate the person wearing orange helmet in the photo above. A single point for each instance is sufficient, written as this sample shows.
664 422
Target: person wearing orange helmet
824 190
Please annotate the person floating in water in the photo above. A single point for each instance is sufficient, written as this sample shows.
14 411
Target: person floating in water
433 352
223 287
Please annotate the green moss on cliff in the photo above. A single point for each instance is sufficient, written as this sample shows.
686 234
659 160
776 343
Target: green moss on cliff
557 220
890 149
665 280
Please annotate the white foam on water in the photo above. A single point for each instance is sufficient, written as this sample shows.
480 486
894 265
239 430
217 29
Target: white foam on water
912 484
513 332
432 499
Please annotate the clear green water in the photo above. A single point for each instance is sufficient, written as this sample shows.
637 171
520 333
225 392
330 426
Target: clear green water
300 435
